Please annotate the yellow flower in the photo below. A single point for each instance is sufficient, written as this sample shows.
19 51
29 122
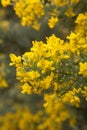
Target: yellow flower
15 60
60 2
31 75
83 69
45 64
70 12
46 82
52 22
29 12
3 82
71 97
36 25
5 2
26 88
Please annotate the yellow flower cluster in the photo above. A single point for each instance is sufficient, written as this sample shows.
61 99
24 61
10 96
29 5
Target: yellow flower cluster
52 22
70 12
24 119
83 69
21 119
81 22
57 113
37 69
29 12
72 97
5 2
33 12
3 82
54 66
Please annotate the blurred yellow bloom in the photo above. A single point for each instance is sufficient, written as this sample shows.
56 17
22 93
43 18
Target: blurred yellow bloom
3 82
5 2
83 69
52 22
70 12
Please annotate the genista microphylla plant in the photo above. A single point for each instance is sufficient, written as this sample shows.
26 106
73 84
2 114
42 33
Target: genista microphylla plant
55 68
